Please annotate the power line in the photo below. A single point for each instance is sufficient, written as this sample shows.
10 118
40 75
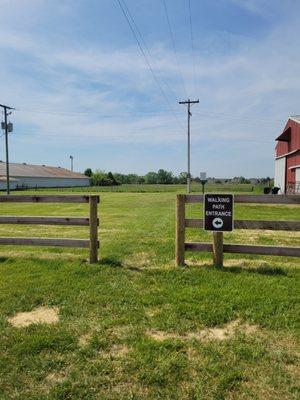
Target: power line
174 47
193 45
147 50
146 59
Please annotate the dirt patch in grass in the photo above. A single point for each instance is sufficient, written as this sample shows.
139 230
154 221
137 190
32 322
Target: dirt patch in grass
140 260
240 263
162 335
84 340
121 331
41 315
235 262
225 332
55 377
153 311
51 380
119 350
132 389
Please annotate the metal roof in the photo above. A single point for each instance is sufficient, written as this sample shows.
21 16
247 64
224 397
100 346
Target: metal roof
39 171
295 118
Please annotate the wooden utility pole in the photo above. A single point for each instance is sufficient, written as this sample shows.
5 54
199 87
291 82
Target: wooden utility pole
5 108
189 114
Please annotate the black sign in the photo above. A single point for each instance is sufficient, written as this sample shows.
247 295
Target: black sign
218 212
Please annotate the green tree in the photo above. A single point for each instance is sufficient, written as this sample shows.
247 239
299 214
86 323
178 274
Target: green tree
99 178
182 177
111 179
88 172
120 178
164 177
151 177
132 178
244 180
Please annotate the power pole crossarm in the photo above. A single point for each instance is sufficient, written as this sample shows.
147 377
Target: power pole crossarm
189 102
189 114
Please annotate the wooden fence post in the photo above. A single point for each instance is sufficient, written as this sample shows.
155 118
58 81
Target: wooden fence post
218 249
93 200
180 230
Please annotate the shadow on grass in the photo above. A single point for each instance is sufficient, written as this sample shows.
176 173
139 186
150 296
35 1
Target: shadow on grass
116 263
262 270
112 262
265 270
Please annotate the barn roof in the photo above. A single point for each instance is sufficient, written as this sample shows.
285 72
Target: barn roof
285 136
39 171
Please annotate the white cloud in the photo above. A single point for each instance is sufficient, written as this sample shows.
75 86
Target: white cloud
264 8
240 82
61 87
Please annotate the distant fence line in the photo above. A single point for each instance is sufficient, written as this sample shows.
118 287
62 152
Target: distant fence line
92 221
217 247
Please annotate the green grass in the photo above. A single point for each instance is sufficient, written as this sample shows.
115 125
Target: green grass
102 347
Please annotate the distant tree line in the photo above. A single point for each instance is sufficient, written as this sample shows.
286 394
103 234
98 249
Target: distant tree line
102 178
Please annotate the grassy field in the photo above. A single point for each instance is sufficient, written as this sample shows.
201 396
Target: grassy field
134 326
143 188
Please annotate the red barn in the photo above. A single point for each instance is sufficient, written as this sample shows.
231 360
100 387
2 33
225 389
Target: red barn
287 162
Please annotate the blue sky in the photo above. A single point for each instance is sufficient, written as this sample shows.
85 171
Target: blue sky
81 86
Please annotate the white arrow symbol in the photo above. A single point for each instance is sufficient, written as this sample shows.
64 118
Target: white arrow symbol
218 223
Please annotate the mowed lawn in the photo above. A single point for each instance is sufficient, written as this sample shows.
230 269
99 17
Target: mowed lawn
136 327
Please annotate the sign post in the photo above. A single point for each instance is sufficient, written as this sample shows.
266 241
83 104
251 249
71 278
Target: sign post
218 218
203 180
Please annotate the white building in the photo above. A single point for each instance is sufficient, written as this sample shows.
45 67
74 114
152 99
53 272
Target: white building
40 176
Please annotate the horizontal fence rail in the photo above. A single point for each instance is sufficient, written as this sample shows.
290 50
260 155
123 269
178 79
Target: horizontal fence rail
77 221
251 224
45 199
259 199
247 249
217 247
92 222
84 243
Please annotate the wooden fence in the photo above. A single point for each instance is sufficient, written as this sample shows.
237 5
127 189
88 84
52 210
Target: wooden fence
217 247
92 221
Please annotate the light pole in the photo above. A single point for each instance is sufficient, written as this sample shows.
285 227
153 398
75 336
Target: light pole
7 128
71 158
189 103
